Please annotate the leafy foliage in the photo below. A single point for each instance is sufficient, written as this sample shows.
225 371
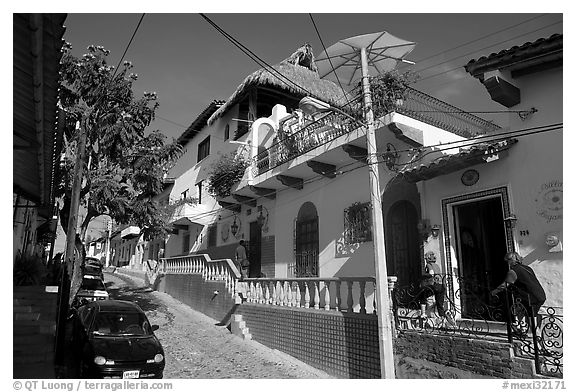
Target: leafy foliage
388 90
27 270
124 165
225 172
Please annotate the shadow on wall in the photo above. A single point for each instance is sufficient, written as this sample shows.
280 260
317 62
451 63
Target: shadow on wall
360 262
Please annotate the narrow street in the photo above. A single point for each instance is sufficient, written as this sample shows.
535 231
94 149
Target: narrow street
195 347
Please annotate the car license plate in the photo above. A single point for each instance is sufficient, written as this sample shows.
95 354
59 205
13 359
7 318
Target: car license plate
131 374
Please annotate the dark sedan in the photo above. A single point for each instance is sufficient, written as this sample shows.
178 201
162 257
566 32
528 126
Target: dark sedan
114 339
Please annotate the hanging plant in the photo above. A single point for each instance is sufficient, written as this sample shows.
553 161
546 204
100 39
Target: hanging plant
389 90
226 171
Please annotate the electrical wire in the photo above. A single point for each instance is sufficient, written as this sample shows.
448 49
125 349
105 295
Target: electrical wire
479 39
462 66
475 51
344 94
128 46
360 165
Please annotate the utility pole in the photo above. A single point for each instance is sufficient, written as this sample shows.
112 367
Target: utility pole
382 299
108 233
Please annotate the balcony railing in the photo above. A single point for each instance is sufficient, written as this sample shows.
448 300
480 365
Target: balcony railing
432 111
311 133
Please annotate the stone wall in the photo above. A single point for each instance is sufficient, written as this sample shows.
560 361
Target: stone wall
488 357
200 295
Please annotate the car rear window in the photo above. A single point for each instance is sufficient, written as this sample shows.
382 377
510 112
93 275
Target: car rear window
92 284
121 324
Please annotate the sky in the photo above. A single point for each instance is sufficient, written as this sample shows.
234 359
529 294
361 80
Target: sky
188 63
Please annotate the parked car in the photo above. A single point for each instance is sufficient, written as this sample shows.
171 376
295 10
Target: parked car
114 339
93 266
94 270
92 288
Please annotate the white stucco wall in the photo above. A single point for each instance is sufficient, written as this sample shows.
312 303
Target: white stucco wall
188 172
533 173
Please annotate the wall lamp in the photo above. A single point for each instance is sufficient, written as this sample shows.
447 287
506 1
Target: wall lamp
435 230
262 219
234 227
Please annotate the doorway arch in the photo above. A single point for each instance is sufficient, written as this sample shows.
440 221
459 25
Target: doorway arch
403 243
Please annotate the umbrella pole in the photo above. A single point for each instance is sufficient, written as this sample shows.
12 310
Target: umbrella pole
382 300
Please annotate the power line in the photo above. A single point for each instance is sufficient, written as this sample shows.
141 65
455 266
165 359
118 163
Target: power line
475 51
461 66
480 38
329 59
128 46
476 141
252 55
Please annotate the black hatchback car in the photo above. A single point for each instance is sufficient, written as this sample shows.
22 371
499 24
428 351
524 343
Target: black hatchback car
114 339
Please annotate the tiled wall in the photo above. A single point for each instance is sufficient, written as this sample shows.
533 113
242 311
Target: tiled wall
199 295
341 345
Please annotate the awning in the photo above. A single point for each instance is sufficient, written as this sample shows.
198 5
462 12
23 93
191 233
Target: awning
442 164
186 224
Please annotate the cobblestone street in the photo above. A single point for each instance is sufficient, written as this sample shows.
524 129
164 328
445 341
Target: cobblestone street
195 347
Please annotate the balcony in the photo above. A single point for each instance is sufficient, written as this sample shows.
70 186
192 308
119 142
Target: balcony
298 136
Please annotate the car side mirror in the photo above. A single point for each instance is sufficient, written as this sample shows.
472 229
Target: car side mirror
155 327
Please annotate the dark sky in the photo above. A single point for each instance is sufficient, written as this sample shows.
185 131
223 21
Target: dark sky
189 63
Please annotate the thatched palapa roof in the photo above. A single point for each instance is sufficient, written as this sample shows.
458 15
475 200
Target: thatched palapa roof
301 69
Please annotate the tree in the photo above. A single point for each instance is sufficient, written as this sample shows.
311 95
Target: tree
123 166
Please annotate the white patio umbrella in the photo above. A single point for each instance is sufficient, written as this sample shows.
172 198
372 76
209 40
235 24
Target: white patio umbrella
348 60
344 58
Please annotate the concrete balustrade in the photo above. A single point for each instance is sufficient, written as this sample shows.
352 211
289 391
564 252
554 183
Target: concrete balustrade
210 270
330 294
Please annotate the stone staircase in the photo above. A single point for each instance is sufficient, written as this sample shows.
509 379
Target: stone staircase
238 327
34 323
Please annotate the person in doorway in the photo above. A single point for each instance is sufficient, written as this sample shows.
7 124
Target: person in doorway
435 282
241 259
525 286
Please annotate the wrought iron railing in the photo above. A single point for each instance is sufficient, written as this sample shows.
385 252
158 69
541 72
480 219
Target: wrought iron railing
314 132
311 134
306 265
432 111
462 307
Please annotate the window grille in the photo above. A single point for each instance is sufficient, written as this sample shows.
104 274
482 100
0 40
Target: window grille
358 223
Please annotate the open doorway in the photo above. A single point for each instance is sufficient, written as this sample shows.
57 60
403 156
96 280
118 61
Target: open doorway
481 243
255 250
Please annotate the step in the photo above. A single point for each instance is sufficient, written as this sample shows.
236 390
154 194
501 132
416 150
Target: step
30 358
34 353
44 301
27 316
43 313
34 371
32 340
34 290
41 327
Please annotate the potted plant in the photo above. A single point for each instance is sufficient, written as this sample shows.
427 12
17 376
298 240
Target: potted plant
389 90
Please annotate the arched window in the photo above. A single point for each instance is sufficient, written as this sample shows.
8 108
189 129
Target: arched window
306 241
